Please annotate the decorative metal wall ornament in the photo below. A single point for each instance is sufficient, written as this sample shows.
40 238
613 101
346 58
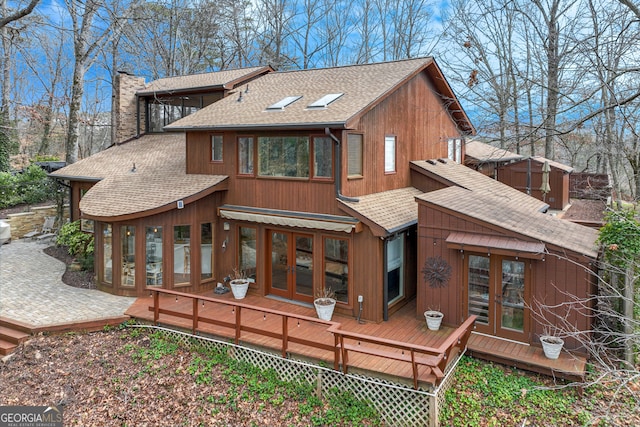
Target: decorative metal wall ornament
437 272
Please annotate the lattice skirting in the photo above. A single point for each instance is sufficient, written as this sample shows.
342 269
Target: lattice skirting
397 404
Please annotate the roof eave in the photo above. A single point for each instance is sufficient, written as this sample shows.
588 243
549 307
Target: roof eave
253 126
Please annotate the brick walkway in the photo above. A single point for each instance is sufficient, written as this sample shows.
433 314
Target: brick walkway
32 291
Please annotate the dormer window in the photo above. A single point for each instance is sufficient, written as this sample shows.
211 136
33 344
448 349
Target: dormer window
285 102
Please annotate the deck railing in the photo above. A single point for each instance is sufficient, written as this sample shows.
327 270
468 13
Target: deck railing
434 359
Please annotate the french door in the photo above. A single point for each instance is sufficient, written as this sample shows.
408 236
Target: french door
498 293
290 265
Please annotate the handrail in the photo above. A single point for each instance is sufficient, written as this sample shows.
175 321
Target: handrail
437 356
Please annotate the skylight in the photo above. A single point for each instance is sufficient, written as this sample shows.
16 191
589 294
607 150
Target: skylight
325 100
283 103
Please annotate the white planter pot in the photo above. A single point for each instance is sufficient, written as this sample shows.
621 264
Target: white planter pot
434 319
239 288
325 307
552 346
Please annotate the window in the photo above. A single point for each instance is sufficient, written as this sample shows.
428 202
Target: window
245 155
322 157
107 254
206 252
354 154
128 250
336 267
153 258
286 156
182 253
216 148
389 154
247 251
454 149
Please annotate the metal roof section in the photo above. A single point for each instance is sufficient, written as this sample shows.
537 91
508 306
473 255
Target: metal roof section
324 101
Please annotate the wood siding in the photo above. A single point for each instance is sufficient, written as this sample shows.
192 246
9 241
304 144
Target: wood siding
422 126
295 194
515 175
551 278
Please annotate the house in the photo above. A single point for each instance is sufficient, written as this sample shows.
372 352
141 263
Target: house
347 178
486 158
511 264
527 176
296 177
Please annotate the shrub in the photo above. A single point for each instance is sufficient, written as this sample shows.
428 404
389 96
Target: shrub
79 243
31 186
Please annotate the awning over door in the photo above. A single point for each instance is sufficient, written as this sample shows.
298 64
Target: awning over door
289 218
495 244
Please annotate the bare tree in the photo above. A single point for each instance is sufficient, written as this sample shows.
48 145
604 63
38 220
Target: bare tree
7 18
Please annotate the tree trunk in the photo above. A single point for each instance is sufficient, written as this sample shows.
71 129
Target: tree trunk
73 130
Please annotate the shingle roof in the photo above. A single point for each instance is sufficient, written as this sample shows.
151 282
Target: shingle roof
487 153
385 212
222 79
452 173
362 86
159 180
515 218
553 163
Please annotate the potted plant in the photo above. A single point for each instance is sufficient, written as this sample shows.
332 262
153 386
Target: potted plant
437 272
325 303
434 319
239 283
551 345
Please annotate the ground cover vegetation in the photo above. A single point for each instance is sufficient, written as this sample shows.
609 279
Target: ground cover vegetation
130 376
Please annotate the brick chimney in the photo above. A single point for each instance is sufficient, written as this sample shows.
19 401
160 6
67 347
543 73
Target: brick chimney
125 105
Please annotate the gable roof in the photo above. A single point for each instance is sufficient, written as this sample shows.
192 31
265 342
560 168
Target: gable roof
386 212
159 180
540 160
451 173
485 153
226 79
363 87
515 218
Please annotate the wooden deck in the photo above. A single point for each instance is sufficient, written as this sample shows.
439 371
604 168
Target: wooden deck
527 357
403 326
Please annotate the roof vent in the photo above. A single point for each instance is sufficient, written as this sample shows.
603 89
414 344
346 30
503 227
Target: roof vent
431 162
444 161
325 100
283 103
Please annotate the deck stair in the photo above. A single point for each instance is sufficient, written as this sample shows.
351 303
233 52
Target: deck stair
11 336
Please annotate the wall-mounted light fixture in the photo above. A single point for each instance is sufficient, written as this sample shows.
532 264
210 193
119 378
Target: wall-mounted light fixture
180 204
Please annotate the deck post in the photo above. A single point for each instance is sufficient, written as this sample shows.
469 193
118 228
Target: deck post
433 410
194 327
156 307
238 326
285 336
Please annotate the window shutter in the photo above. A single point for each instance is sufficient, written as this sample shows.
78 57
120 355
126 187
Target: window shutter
354 154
